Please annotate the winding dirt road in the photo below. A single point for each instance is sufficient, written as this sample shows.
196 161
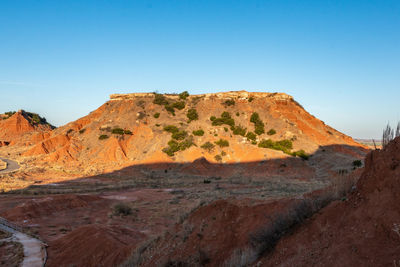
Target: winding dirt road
11 166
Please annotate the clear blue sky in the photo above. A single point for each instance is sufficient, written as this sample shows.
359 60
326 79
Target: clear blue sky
339 59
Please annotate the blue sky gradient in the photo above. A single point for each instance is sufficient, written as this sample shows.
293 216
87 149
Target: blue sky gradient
339 59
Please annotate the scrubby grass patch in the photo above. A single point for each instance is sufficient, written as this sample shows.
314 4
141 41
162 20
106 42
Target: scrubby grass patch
192 115
103 137
156 115
122 209
199 132
283 145
239 130
208 146
224 119
258 123
271 132
222 143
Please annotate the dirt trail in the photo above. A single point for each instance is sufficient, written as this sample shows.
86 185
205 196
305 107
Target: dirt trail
34 250
11 166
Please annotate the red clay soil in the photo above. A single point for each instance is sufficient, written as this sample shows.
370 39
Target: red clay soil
361 231
47 206
212 233
93 245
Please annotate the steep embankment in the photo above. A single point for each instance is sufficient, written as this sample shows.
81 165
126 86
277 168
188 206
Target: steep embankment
22 128
130 129
361 231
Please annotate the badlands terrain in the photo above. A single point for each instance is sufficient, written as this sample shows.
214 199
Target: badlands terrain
225 179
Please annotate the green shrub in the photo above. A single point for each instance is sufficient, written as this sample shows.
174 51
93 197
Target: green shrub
229 102
173 147
212 118
184 95
222 143
117 131
302 154
158 125
357 163
180 135
121 209
170 108
185 144
218 158
225 119
128 132
258 124
239 130
225 129
9 113
81 131
254 142
251 98
160 99
171 129
271 132
179 105
237 114
198 132
282 145
251 136
259 128
103 136
208 146
223 153
156 115
254 117
192 114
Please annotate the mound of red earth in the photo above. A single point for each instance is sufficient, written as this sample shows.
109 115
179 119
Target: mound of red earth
93 245
128 130
211 234
14 127
47 206
363 230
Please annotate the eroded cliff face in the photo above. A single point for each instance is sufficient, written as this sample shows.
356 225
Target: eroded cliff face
20 127
95 142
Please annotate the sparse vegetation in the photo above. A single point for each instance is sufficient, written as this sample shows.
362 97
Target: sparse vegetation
156 115
389 134
179 135
271 132
171 129
218 158
117 131
199 132
183 95
225 119
160 99
258 123
239 130
251 136
81 131
192 115
251 98
122 209
179 105
357 163
284 145
302 154
222 143
229 102
174 146
129 132
103 137
208 146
